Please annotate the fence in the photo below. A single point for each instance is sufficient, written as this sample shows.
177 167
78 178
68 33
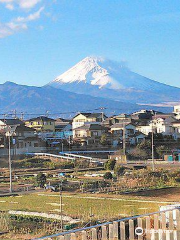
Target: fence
163 225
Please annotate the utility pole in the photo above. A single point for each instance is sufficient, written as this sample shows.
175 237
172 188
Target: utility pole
124 139
10 165
22 115
15 114
61 207
62 147
152 146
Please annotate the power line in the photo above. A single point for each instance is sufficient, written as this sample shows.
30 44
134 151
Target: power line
49 113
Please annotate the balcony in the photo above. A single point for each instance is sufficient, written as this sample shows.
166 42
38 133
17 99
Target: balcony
163 225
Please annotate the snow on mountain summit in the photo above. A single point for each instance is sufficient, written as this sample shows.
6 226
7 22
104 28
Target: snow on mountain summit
97 73
90 70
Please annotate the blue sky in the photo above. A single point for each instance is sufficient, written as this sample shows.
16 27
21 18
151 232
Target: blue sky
40 39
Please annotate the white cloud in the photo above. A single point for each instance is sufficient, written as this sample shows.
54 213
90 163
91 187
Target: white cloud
24 4
10 28
27 4
18 24
30 17
10 6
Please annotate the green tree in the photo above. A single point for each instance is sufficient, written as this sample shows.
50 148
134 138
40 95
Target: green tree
41 179
110 164
108 175
161 150
119 170
103 139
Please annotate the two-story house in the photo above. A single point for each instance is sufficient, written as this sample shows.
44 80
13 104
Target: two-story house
26 140
163 124
10 123
87 118
131 134
89 133
177 111
41 124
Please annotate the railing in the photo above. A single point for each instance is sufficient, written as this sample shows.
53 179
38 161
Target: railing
51 155
163 225
91 159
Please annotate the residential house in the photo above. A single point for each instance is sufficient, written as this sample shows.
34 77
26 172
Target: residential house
87 118
121 118
163 124
23 139
136 138
132 136
63 128
177 111
117 129
26 140
61 123
143 115
144 126
41 124
89 133
8 122
176 129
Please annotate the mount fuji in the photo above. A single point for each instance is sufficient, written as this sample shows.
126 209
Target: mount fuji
100 77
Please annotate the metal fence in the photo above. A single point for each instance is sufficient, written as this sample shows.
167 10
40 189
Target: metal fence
162 225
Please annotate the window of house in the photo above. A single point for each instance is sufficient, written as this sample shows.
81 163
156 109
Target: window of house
95 133
21 145
35 144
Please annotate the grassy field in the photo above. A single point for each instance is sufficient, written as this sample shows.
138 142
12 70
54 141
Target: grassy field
80 205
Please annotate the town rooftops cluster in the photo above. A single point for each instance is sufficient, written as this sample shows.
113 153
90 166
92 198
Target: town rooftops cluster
37 133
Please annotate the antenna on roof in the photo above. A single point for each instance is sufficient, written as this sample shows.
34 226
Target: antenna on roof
22 115
47 113
15 113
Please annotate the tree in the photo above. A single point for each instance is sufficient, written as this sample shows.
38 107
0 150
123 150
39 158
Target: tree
137 153
161 150
41 179
119 170
110 164
103 139
108 175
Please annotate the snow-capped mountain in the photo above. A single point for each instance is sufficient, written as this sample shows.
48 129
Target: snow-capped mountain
100 77
92 70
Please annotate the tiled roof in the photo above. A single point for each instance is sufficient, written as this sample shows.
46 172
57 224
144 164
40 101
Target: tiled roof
9 121
41 118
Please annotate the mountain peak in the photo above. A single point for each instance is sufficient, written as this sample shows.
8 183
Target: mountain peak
92 70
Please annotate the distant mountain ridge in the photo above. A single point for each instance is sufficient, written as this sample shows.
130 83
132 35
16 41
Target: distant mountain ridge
38 100
99 77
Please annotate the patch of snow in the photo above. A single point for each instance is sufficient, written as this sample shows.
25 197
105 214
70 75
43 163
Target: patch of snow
89 71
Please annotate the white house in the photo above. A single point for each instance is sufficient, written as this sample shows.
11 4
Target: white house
163 125
87 118
177 111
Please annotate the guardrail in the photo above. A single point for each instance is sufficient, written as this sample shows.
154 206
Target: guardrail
51 155
77 156
162 225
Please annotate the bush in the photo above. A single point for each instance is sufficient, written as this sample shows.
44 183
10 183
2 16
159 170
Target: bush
41 179
108 175
119 170
110 164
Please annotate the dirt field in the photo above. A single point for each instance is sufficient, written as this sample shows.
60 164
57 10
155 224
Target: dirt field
170 194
